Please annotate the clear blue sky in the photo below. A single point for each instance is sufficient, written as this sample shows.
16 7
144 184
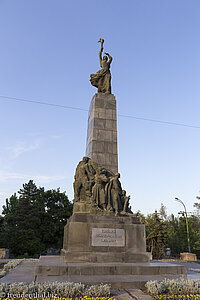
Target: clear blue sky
48 50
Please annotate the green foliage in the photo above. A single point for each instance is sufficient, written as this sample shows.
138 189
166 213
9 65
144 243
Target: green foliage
156 234
164 231
177 234
34 220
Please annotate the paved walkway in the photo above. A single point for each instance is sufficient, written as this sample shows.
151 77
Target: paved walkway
24 272
191 266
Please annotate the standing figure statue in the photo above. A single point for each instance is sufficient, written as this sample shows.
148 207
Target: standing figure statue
114 193
126 208
102 79
84 178
98 190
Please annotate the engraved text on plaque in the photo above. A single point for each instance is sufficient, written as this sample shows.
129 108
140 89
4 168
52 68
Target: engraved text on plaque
108 237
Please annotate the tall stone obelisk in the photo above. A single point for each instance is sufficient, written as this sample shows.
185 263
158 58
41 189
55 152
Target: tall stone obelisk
101 144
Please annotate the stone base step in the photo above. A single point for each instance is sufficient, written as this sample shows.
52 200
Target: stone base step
102 257
119 275
116 281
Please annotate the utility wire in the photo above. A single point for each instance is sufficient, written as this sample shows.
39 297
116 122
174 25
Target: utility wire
43 103
82 109
159 121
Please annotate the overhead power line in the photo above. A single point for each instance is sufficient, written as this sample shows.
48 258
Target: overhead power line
82 109
42 103
160 121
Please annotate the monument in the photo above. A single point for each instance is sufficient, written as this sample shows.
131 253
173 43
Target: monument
102 220
103 237
101 144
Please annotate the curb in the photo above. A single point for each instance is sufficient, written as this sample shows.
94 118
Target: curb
132 294
139 295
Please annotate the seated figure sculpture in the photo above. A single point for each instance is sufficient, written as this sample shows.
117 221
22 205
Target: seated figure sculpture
100 189
102 78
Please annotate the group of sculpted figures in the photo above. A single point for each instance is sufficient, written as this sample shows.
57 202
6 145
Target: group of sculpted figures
102 78
97 185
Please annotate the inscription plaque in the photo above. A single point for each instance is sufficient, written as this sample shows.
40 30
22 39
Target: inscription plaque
108 237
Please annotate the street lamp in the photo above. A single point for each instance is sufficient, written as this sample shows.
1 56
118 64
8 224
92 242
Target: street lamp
186 219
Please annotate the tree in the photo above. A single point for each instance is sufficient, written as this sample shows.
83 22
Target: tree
197 233
163 211
156 234
176 235
34 221
57 210
197 206
2 231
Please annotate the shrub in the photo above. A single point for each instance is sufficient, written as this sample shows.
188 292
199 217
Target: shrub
61 289
173 286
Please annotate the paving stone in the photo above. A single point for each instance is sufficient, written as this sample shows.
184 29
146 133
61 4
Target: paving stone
24 272
139 295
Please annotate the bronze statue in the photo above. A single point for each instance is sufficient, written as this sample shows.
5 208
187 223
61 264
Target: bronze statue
114 194
102 79
99 189
126 208
84 177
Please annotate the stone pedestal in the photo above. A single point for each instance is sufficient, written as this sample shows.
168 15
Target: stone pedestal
185 256
101 144
103 239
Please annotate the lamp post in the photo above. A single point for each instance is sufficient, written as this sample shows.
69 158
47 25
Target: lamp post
186 219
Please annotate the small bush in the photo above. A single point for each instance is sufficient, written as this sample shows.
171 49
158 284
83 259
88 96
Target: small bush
173 286
50 289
